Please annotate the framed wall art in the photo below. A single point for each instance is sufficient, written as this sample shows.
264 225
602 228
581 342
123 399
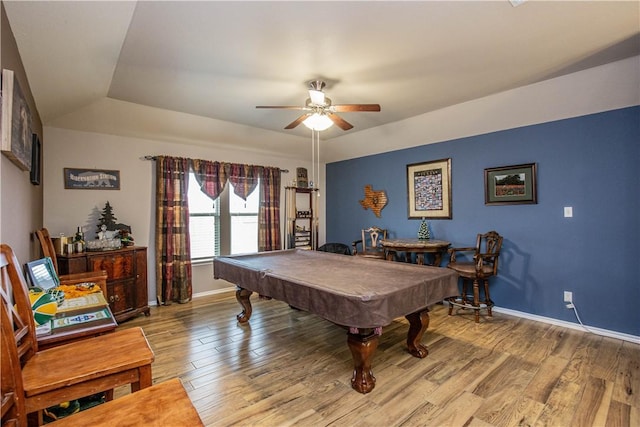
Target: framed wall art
429 189
91 179
510 185
16 123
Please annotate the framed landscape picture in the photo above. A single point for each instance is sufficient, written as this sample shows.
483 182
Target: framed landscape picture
429 189
510 185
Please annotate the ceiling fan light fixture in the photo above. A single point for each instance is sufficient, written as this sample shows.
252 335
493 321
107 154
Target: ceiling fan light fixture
317 96
318 122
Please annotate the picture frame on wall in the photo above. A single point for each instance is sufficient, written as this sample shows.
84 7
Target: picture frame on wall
16 119
429 189
510 185
91 179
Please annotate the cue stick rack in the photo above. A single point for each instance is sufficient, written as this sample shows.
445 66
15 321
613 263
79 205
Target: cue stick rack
302 220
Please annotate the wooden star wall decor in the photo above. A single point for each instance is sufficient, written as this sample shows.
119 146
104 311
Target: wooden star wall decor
374 200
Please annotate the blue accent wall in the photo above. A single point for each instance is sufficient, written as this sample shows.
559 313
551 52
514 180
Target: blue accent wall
591 163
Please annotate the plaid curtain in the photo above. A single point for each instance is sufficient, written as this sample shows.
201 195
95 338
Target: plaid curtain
269 210
173 254
212 177
244 178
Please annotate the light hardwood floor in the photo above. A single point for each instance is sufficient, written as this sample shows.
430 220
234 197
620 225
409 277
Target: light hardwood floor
289 367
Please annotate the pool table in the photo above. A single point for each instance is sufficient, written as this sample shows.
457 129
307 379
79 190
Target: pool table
362 295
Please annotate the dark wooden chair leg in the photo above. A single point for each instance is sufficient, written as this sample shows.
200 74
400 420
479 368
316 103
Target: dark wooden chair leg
476 300
487 297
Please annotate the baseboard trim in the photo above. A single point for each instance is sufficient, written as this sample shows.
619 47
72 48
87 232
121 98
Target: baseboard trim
201 294
598 331
214 292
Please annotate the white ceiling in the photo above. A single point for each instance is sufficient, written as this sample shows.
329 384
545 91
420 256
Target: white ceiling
218 60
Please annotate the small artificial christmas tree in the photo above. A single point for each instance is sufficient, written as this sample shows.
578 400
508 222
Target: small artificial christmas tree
423 231
107 218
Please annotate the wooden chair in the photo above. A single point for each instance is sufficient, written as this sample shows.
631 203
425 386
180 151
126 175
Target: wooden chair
48 250
480 268
70 371
12 392
162 404
370 243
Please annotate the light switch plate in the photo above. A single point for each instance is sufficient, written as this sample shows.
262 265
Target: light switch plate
568 211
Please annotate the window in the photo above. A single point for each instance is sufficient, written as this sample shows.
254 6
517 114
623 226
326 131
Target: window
228 225
204 222
244 222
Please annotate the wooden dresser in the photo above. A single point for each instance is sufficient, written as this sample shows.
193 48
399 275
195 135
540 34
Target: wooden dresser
126 277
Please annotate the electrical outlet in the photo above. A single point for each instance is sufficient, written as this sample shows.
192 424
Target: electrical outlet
568 297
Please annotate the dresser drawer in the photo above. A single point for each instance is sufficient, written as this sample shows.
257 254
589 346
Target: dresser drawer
118 266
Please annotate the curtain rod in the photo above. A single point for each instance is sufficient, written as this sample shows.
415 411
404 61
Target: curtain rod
148 157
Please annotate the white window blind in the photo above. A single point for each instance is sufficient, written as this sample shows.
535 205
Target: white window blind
226 225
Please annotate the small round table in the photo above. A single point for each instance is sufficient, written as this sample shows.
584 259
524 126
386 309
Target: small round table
417 246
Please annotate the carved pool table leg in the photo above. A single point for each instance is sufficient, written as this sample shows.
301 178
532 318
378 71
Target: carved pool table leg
242 295
362 349
418 324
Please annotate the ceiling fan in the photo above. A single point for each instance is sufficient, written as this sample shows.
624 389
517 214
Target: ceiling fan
319 113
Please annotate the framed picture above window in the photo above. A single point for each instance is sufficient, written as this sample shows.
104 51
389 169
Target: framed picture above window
429 189
510 185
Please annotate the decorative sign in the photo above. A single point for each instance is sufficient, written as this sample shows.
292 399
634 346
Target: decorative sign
374 200
91 179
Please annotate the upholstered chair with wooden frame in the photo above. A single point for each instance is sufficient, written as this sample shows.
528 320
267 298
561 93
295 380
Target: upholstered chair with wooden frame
336 248
369 244
69 371
481 264
48 250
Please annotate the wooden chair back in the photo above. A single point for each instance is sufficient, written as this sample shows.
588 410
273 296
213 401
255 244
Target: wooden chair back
48 250
488 247
14 295
370 243
12 390
486 255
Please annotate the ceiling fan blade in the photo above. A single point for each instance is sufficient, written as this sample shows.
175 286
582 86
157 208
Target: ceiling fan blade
339 121
285 107
297 121
344 108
